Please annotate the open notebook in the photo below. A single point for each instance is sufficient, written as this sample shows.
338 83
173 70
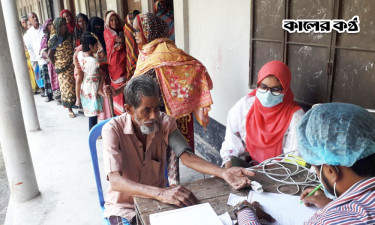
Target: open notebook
286 209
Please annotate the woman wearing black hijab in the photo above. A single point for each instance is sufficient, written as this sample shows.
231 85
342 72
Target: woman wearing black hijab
96 26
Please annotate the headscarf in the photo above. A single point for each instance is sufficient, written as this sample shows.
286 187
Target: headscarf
78 30
184 81
337 134
160 7
129 19
23 18
266 127
44 41
23 29
106 14
45 29
71 25
55 37
152 27
108 18
164 12
96 21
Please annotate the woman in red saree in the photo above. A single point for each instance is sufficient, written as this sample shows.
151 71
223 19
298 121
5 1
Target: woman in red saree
116 56
184 81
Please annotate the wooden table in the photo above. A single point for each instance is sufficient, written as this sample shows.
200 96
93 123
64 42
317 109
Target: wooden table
213 190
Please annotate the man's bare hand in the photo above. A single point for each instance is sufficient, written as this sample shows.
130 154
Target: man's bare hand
237 177
178 196
318 199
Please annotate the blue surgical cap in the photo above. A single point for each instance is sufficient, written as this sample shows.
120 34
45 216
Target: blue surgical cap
336 134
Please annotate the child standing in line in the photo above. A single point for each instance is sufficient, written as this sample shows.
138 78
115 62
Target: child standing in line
91 94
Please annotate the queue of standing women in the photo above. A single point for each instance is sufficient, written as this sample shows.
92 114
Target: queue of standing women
86 60
94 59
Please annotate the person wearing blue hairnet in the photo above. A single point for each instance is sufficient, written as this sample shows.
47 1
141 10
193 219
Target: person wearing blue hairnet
338 139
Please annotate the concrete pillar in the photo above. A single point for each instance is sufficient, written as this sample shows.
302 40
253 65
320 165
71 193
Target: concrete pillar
18 163
20 65
181 24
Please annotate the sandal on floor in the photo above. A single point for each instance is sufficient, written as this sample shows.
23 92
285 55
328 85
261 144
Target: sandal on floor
72 115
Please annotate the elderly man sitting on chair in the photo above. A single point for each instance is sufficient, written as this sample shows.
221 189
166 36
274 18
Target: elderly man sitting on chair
134 155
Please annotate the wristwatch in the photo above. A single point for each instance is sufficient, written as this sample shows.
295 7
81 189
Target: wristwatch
242 205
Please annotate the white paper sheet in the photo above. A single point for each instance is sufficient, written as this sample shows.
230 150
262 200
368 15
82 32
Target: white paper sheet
202 214
286 209
233 199
225 219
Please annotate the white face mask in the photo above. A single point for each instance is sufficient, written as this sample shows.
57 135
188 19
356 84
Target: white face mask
268 100
326 192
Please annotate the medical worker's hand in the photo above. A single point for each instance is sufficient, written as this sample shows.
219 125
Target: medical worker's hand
318 199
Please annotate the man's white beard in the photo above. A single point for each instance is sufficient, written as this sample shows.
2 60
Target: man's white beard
144 128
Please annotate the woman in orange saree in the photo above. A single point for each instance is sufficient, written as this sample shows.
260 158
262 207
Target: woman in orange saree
184 81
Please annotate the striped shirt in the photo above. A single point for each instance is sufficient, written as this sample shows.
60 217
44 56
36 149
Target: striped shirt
354 206
247 217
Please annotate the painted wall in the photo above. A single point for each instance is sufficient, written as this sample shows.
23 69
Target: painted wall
219 36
